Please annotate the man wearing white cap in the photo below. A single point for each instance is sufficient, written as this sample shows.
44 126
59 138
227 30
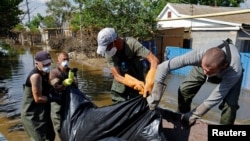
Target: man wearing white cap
124 57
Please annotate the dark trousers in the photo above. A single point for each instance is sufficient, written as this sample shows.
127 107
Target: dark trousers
192 84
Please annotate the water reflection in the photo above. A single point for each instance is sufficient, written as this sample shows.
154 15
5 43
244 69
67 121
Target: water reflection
97 86
94 82
14 72
10 71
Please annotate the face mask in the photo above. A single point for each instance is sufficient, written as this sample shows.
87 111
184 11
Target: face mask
102 54
111 52
65 63
211 75
46 69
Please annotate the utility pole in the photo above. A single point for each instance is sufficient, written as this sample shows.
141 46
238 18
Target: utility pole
28 11
81 28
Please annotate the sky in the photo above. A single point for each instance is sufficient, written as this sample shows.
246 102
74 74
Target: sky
38 6
246 4
35 6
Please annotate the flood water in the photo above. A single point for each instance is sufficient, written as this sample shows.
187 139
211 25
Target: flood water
94 82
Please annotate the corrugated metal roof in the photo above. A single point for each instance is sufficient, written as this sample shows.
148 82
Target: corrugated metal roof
191 9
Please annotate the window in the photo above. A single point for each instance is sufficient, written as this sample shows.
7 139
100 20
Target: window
169 14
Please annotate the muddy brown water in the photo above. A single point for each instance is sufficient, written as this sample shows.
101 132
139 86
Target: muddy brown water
93 82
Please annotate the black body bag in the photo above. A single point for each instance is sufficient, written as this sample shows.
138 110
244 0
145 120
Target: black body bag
131 120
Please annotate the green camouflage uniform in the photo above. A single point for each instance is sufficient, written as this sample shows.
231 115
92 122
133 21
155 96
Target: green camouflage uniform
133 55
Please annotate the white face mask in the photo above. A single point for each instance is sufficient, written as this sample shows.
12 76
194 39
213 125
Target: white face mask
65 63
46 69
111 52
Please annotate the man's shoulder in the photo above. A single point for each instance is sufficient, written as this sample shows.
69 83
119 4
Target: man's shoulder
129 40
55 72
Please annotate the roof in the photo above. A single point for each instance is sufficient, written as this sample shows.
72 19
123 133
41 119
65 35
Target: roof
192 10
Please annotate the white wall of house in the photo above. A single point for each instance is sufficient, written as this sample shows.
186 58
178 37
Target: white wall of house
203 30
204 38
44 35
67 33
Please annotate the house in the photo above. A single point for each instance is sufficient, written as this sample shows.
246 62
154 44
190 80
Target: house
24 36
50 33
191 26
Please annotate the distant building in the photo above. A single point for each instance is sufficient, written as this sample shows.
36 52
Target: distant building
49 33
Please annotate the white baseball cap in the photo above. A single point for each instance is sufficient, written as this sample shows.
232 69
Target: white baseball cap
104 38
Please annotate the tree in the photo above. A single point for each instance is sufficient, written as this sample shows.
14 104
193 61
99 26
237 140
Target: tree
49 22
9 15
35 22
128 17
226 3
39 20
60 10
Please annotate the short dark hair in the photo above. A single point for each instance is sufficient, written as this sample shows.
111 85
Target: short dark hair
215 56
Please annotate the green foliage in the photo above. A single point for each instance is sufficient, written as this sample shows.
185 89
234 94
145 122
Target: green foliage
4 47
39 20
35 22
9 15
60 10
129 17
76 22
19 27
49 22
226 3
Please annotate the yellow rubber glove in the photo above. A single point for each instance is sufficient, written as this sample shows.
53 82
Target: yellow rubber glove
69 80
149 82
71 75
134 83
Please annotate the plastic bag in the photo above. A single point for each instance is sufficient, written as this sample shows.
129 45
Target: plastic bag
126 121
